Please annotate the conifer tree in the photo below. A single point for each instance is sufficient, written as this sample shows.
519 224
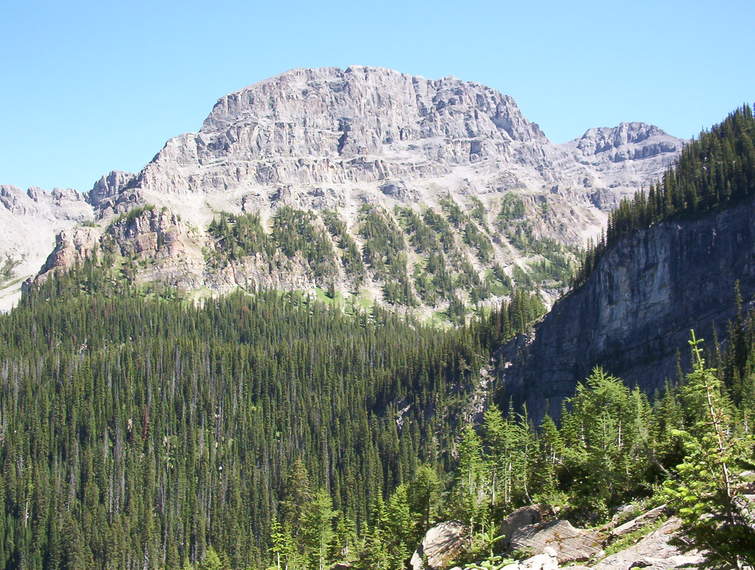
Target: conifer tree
705 491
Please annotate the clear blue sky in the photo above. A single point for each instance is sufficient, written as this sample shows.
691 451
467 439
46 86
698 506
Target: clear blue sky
87 87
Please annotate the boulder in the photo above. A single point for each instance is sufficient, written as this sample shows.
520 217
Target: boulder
520 518
442 544
569 544
539 562
545 561
623 513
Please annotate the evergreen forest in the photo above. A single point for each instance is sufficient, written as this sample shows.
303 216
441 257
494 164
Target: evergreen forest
139 429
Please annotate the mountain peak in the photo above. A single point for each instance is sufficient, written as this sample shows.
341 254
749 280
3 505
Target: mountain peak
370 145
602 139
320 99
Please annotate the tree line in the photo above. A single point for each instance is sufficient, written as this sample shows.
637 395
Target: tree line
713 172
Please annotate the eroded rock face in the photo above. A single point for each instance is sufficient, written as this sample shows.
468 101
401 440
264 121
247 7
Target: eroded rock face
545 561
159 240
108 188
518 519
638 522
338 139
568 543
29 222
622 157
653 551
636 310
71 247
442 544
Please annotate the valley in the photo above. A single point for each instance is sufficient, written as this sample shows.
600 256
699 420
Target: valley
360 313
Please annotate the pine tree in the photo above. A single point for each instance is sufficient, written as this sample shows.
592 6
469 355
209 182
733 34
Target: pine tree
705 491
424 497
317 531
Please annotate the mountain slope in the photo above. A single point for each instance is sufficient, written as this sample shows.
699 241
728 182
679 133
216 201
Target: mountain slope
634 314
139 430
29 222
482 195
671 261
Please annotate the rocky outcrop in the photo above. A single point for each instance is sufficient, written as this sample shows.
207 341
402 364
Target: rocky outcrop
29 222
519 519
627 141
442 544
108 188
71 247
569 544
655 550
545 561
623 156
638 522
156 244
635 311
656 542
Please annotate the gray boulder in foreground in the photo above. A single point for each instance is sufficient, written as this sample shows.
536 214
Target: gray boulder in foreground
442 544
518 519
545 561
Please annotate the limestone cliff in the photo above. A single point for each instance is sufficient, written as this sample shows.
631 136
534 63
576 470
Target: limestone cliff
29 222
504 200
336 138
636 309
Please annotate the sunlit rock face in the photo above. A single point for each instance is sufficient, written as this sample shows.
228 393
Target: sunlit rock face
332 137
29 222
337 139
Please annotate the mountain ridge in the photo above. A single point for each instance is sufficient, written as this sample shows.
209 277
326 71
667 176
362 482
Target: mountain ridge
676 258
340 139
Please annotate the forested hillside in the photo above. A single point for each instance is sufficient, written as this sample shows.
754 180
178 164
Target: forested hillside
140 430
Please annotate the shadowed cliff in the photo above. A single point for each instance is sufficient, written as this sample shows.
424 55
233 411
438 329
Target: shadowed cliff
636 309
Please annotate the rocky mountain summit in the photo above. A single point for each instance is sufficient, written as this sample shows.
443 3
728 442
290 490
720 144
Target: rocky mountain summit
331 129
464 183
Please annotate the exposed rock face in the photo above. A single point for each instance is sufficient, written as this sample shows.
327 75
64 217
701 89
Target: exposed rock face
638 522
337 139
545 561
628 141
158 239
71 247
441 545
108 188
624 156
637 308
29 222
520 518
354 133
653 551
567 542
334 126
